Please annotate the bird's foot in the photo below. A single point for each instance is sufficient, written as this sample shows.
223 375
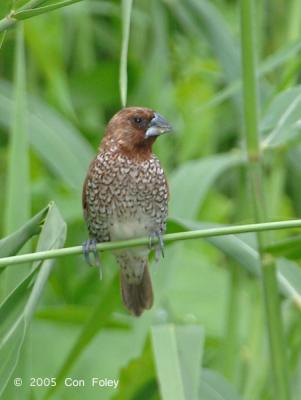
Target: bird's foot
90 247
159 247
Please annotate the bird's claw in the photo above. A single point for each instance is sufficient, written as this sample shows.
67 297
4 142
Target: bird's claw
159 248
90 247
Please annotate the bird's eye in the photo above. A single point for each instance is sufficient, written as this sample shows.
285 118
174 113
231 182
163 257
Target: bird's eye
137 120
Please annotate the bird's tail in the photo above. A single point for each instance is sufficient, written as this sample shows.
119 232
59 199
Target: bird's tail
137 297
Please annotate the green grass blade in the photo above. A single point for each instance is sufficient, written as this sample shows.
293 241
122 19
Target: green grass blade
54 138
18 168
243 249
49 56
282 118
214 387
280 57
215 28
53 236
98 319
24 14
138 379
168 363
190 183
289 275
256 176
219 37
126 22
12 306
17 210
33 4
2 38
11 244
202 18
289 248
77 315
190 343
267 66
18 308
178 353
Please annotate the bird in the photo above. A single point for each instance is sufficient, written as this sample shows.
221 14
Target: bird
125 196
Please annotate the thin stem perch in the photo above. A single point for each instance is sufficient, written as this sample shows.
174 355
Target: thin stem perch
172 237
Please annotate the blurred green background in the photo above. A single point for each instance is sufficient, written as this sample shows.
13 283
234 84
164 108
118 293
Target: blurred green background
183 61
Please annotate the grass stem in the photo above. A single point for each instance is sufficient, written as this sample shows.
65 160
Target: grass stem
252 139
172 237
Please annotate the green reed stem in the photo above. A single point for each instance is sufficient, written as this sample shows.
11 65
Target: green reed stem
31 9
172 237
9 21
279 366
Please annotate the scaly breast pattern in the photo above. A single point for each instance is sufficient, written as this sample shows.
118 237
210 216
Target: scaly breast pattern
125 198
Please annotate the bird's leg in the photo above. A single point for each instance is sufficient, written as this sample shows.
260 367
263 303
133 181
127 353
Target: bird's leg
159 248
90 246
87 247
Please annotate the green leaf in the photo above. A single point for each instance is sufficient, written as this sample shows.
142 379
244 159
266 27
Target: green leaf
219 37
97 320
268 65
283 118
18 202
126 22
203 18
24 14
57 142
76 314
213 386
68 314
5 6
138 379
289 273
289 248
190 342
2 38
17 212
242 248
18 308
190 183
11 309
49 56
10 245
281 56
178 354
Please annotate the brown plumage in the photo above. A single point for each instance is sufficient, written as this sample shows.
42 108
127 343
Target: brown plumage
125 196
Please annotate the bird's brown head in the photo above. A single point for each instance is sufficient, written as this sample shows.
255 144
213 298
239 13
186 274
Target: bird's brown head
133 130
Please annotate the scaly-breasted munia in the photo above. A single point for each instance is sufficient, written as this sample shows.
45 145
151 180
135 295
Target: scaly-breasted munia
125 196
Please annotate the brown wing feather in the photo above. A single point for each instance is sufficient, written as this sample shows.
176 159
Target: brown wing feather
85 202
96 199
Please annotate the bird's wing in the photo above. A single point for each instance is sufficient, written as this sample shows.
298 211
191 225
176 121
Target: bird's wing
85 202
94 201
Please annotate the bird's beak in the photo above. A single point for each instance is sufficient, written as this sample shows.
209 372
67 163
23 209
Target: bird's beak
157 126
